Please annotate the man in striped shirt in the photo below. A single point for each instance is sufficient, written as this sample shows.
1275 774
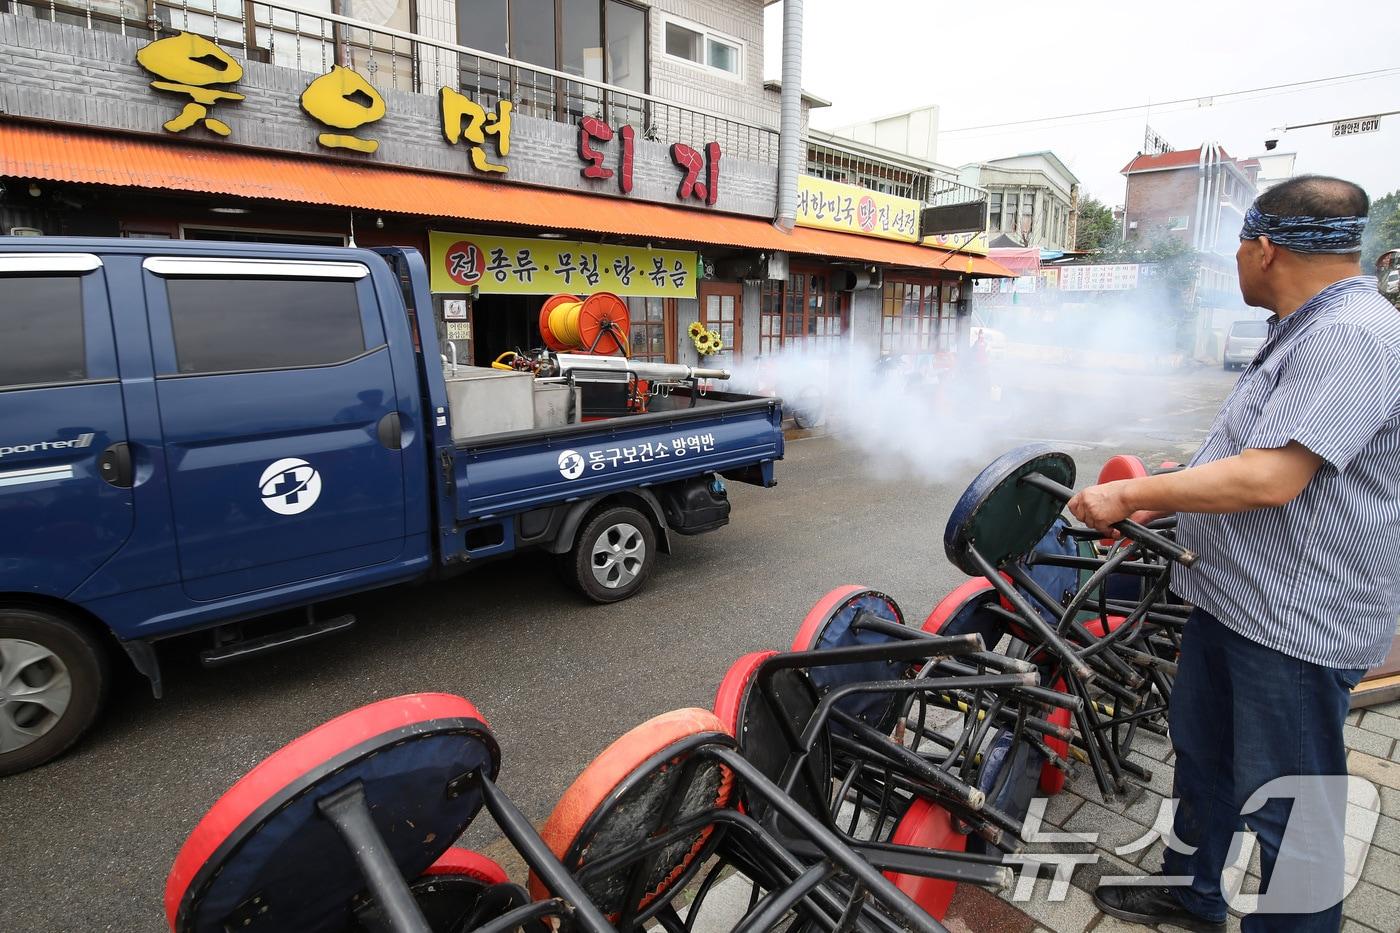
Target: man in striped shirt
1293 507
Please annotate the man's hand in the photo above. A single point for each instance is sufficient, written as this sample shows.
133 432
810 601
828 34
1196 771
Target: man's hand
1252 479
1101 506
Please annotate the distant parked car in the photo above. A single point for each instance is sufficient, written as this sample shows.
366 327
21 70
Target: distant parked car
1388 274
1245 339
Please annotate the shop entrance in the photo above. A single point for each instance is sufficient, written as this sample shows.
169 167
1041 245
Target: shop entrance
722 310
504 322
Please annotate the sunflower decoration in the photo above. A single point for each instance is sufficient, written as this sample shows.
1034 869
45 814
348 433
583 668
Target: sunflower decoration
706 341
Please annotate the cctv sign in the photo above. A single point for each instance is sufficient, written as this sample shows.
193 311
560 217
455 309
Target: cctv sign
1353 127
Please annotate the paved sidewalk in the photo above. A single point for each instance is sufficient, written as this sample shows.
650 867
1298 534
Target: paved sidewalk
1373 738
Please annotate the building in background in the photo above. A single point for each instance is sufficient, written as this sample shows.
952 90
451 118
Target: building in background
1198 196
886 167
1033 198
913 133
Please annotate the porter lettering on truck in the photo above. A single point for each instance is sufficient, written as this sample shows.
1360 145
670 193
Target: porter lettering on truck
82 440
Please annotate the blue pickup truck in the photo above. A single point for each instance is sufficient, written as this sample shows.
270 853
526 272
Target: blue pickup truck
194 435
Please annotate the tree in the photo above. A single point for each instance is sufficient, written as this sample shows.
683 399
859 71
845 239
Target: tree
1097 229
1177 269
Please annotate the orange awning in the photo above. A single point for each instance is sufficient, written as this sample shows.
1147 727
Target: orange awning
52 154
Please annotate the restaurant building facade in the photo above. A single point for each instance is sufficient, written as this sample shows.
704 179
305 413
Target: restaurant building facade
525 147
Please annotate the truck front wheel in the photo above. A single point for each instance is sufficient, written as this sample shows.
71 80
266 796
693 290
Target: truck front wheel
613 554
53 679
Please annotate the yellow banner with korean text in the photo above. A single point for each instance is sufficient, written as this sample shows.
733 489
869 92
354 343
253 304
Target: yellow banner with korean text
833 205
498 265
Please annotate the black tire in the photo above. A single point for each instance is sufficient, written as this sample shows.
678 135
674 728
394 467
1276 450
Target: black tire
630 534
80 656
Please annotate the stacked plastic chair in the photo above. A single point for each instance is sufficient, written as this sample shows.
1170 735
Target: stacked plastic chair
1093 615
849 782
350 828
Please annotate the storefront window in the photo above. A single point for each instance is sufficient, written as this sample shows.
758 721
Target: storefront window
627 46
948 317
600 40
912 319
801 312
770 318
582 53
123 16
650 336
482 24
298 38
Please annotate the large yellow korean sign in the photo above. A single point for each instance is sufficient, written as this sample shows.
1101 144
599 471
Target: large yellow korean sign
496 265
832 205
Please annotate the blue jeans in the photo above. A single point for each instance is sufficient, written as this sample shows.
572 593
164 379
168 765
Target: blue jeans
1241 716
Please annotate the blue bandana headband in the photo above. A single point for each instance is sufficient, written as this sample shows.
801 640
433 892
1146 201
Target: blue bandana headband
1305 234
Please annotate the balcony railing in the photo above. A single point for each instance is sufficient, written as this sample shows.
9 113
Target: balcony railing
314 40
906 178
944 191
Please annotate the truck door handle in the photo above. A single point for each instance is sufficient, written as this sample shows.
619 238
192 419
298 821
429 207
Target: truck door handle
391 431
115 466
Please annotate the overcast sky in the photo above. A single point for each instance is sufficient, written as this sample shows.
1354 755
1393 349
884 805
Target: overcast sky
1014 60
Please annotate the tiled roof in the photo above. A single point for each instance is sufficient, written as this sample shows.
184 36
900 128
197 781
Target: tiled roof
1182 159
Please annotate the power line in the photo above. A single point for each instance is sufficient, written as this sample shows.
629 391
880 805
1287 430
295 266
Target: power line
1167 107
1209 98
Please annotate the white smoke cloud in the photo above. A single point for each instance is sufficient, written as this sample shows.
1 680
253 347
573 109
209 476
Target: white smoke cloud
1066 374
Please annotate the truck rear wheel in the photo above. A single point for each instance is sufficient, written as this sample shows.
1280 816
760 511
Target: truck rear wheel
613 554
53 679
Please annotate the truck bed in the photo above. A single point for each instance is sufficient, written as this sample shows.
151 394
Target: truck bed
735 435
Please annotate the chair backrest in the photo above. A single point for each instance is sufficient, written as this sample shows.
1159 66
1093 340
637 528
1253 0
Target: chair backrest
833 623
962 612
751 716
263 852
1002 517
633 793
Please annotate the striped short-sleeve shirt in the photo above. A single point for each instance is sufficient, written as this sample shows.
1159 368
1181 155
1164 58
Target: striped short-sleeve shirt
1319 578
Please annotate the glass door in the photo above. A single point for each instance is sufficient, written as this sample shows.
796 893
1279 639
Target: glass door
722 310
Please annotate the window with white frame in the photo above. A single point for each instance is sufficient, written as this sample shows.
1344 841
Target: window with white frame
704 47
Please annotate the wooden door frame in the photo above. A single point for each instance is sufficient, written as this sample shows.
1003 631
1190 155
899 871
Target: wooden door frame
725 288
842 298
668 326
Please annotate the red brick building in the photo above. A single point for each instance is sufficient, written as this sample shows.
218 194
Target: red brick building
1198 195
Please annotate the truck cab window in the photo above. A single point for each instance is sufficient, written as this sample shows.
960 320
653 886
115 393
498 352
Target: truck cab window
235 325
41 330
